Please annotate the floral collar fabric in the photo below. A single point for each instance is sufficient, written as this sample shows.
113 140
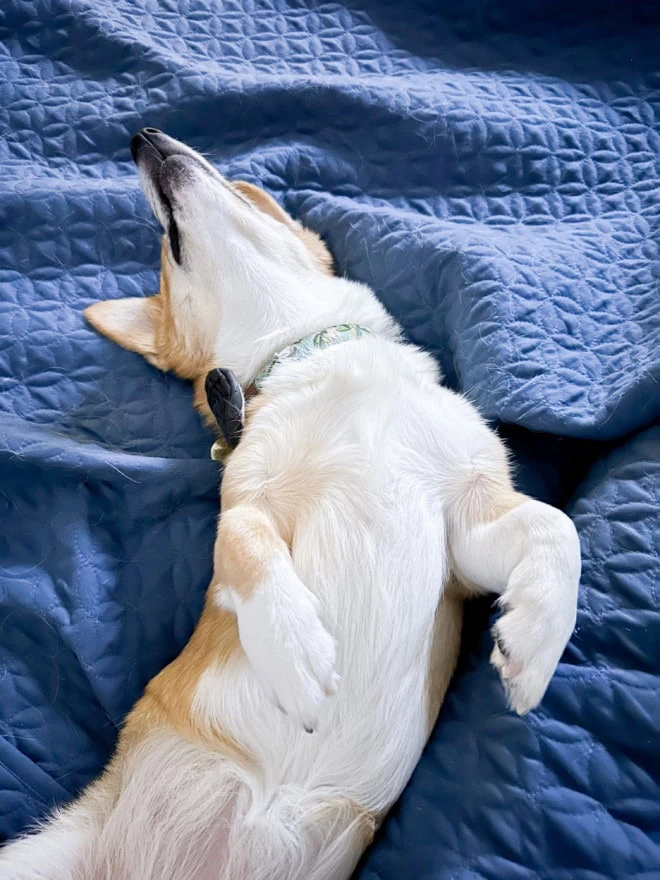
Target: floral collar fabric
225 396
308 345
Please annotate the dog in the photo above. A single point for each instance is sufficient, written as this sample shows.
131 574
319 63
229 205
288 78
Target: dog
362 504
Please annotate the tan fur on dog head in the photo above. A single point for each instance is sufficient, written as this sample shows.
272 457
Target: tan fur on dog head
174 339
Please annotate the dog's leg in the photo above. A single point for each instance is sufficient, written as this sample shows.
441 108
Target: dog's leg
278 620
526 551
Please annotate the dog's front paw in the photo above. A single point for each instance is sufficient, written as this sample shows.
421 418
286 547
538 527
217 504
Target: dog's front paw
531 634
290 650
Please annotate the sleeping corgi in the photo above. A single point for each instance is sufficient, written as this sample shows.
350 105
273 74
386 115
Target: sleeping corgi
363 502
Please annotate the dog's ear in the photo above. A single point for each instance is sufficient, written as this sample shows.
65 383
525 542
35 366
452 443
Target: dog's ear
129 322
262 200
266 203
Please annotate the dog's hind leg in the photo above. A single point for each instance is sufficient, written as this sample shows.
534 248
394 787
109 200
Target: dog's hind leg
527 552
278 617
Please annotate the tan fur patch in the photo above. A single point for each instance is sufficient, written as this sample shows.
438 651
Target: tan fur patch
183 349
245 548
130 323
481 495
167 701
255 404
504 502
317 248
445 646
200 402
312 241
483 498
150 327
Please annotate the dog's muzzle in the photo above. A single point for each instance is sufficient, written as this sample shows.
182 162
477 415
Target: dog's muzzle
166 163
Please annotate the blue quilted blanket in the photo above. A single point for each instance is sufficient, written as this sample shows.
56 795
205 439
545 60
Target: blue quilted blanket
491 169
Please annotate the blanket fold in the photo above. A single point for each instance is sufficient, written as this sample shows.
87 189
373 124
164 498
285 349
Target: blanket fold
491 170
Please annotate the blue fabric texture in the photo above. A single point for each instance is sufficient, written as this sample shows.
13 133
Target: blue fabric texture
491 169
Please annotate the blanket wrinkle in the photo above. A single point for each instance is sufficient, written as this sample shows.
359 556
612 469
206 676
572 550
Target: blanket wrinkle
491 170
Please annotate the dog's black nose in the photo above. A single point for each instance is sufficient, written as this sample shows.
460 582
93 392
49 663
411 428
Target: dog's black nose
142 138
136 142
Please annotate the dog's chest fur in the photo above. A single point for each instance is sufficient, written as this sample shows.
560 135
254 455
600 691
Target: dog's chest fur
337 449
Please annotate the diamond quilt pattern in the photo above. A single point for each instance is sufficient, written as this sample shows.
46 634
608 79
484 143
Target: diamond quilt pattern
492 171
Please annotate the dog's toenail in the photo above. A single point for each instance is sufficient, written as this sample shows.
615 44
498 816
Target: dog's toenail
499 641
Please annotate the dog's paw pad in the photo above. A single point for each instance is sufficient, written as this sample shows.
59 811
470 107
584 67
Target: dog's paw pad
526 652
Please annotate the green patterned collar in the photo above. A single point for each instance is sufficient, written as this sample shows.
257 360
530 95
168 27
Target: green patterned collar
296 352
308 345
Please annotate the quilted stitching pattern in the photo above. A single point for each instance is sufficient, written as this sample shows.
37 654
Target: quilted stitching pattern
491 169
572 791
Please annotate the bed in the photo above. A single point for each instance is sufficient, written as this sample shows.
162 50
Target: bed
491 170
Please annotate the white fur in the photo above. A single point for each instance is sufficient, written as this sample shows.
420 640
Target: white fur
531 556
390 481
289 649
